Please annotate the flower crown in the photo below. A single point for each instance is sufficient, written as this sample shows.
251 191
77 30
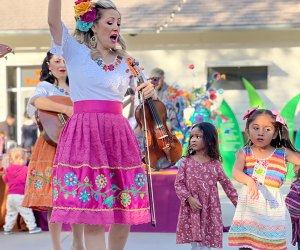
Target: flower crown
85 14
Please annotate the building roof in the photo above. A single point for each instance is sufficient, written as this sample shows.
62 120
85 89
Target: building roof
148 16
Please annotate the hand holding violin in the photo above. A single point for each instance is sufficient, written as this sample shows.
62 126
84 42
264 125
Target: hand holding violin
148 90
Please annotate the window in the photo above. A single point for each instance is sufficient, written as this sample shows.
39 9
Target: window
11 77
256 75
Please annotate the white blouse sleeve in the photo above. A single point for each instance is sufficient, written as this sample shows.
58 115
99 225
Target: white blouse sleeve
68 44
40 90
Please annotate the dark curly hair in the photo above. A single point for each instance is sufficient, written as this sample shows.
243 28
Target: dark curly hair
210 138
45 72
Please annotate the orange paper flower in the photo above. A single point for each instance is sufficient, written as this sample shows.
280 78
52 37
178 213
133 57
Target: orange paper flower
82 8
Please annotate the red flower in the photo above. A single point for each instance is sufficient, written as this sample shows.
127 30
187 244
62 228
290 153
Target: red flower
80 1
191 66
213 96
89 16
216 76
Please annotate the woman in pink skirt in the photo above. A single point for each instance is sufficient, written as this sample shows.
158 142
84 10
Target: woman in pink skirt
98 175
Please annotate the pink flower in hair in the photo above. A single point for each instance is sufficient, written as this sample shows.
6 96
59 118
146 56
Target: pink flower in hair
89 16
278 117
249 112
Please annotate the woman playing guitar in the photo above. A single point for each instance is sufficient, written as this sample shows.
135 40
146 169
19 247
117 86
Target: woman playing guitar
38 193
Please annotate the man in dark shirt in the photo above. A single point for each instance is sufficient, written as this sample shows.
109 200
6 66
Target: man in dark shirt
7 127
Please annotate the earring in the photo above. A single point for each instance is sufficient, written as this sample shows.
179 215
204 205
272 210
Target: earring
50 73
93 42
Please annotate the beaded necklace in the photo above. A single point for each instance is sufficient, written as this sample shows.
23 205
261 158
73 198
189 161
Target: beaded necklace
111 66
61 89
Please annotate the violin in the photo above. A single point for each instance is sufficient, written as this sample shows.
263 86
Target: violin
162 144
4 50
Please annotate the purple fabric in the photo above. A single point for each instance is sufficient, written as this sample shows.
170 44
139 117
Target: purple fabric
42 222
292 202
166 205
98 174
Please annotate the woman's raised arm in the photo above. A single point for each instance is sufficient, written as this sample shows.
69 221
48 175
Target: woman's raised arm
54 20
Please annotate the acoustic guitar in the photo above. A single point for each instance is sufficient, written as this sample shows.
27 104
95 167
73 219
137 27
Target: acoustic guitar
4 50
51 123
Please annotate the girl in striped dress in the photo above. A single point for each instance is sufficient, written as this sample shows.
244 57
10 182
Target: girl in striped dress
259 220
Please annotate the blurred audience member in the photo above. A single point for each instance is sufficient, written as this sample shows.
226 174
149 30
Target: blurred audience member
7 127
15 178
29 133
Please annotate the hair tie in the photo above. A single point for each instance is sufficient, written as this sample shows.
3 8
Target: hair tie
278 117
249 112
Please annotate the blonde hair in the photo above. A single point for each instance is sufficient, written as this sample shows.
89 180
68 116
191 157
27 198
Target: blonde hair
84 37
16 156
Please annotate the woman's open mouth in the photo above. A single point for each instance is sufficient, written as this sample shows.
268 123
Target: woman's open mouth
114 38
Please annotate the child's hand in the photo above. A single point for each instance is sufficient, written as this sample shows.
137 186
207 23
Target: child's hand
252 189
194 204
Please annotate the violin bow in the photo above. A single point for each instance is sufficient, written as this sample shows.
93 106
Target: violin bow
4 50
133 66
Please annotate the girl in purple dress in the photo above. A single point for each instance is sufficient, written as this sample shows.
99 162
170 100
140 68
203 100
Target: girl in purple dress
200 217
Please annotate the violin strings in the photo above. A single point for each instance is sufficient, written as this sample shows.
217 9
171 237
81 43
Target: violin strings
158 121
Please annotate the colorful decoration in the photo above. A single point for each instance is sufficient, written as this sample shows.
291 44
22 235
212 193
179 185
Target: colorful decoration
203 101
85 14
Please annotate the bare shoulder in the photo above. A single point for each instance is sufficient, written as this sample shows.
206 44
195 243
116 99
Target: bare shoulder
240 154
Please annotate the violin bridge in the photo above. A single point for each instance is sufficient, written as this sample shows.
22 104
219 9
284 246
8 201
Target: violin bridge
166 147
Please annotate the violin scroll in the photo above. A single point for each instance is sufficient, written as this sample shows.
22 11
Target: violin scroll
4 50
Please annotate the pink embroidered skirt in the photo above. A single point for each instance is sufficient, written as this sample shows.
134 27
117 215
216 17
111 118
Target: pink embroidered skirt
98 174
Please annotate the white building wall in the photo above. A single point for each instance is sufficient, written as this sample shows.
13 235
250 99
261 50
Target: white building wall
283 82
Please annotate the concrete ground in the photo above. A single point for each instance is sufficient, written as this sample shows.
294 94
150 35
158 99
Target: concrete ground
136 241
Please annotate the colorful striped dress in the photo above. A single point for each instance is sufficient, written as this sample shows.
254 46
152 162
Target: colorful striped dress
260 224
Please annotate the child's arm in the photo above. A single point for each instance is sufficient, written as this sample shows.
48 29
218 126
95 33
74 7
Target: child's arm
182 191
180 187
240 176
227 185
292 157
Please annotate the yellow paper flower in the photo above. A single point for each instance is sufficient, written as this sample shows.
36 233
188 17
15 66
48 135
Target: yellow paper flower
82 8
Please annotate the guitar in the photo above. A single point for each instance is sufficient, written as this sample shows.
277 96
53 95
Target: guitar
4 50
51 123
